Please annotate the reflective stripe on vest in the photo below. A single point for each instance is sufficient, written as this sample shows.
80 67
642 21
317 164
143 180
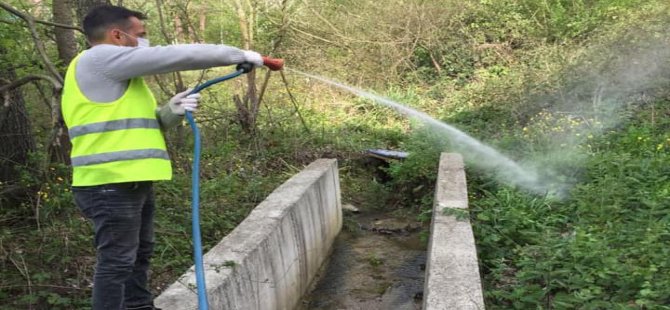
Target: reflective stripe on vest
121 124
102 158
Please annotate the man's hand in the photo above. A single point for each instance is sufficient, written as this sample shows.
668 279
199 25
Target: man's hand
252 57
183 102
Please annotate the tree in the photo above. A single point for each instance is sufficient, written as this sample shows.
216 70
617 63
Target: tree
247 106
65 40
17 139
67 50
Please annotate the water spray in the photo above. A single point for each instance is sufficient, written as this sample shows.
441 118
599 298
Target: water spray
479 153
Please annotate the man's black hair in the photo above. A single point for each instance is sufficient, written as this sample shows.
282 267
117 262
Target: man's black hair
100 18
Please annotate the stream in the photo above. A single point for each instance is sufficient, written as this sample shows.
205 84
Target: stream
377 264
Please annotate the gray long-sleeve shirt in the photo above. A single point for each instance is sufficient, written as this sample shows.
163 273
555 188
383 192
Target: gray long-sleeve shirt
104 70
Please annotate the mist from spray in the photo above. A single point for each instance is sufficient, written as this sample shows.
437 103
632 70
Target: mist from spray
599 92
476 152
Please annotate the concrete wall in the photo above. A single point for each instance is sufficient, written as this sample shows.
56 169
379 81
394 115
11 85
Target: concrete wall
452 271
269 260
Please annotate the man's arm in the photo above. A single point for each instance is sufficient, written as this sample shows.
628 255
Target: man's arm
120 63
104 70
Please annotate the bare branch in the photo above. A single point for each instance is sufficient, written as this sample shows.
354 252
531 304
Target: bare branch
177 78
283 27
161 22
29 78
162 86
295 104
314 36
44 22
189 24
264 87
325 21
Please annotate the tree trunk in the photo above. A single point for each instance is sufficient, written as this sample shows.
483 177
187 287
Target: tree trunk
247 108
203 22
65 41
17 139
178 30
60 146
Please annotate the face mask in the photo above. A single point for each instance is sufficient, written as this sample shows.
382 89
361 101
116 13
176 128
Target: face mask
141 42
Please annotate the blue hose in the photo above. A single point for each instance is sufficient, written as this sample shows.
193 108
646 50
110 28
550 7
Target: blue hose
195 188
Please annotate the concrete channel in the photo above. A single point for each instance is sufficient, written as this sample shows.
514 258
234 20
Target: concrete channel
282 251
268 261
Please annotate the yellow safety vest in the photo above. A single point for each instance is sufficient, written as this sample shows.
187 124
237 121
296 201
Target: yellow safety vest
114 142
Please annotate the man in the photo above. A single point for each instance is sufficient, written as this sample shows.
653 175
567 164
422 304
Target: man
118 149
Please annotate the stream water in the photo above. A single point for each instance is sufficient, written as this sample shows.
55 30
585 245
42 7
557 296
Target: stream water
378 266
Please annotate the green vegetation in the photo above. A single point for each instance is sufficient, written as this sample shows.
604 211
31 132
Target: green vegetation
603 248
375 261
554 84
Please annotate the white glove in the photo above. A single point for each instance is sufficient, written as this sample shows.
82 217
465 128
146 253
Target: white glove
183 102
252 57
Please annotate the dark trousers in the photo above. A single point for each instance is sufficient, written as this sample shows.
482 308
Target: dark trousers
122 216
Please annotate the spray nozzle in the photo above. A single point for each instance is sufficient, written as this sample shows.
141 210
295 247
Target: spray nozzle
273 64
